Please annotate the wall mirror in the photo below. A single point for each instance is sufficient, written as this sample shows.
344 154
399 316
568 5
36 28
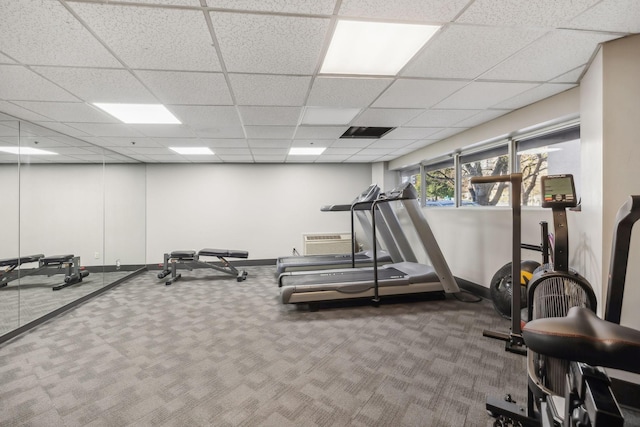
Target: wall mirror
62 197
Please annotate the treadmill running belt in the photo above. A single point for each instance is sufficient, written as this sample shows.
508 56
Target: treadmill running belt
346 276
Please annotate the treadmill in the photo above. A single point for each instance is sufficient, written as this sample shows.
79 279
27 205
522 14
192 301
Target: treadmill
387 227
401 278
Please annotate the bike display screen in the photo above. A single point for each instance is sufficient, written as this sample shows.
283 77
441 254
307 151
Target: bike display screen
558 191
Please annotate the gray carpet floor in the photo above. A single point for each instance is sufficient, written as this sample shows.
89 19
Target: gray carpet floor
209 351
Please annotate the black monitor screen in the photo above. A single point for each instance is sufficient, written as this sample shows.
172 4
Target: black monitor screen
558 191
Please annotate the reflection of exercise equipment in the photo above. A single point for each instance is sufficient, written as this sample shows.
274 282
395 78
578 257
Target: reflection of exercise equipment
500 286
55 264
564 335
191 259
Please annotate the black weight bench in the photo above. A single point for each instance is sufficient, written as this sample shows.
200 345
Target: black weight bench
71 264
191 259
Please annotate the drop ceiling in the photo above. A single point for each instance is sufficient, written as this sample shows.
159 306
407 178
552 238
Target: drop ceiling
241 74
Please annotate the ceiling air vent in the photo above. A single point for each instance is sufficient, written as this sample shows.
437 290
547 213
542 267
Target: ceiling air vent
365 132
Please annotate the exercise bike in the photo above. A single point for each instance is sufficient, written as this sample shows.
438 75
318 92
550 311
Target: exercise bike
568 345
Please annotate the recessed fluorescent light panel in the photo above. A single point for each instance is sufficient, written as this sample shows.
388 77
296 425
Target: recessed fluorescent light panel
27 151
193 151
374 48
141 114
306 151
328 116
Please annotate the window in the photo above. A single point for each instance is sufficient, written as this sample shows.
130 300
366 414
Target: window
440 183
446 180
413 176
494 161
552 153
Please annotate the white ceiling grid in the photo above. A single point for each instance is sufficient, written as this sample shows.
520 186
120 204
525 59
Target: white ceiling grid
240 74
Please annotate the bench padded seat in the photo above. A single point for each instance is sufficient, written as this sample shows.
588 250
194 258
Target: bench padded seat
19 261
183 254
223 253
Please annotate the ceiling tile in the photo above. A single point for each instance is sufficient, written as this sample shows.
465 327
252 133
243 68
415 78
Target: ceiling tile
363 158
332 158
431 11
99 85
479 95
204 117
245 151
233 158
220 132
106 129
540 60
572 76
65 129
446 133
256 116
23 113
269 151
389 144
441 118
352 143
346 151
270 132
20 83
346 91
269 143
467 51
314 7
385 117
534 95
225 143
260 89
52 43
410 133
153 38
68 111
123 142
411 93
610 15
165 131
174 87
540 13
320 132
481 117
269 158
4 59
270 44
169 2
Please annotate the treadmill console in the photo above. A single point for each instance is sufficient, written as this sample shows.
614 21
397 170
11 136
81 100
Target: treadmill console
558 191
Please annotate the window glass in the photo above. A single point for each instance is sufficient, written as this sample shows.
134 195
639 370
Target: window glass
549 154
440 184
491 162
412 176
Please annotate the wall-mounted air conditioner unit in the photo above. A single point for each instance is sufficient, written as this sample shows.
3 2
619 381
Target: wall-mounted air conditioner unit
327 243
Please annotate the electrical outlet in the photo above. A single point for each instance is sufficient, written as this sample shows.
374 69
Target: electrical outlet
96 255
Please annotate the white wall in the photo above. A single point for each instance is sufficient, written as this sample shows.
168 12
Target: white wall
261 208
125 214
611 108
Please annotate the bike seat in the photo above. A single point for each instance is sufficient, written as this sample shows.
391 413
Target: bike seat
581 336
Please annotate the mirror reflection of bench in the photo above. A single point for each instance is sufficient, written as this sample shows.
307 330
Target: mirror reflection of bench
69 265
191 260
